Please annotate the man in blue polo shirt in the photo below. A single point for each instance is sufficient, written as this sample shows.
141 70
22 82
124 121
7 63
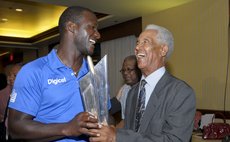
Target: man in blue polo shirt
45 103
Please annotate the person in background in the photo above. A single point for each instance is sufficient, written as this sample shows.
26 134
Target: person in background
11 72
131 75
161 108
46 104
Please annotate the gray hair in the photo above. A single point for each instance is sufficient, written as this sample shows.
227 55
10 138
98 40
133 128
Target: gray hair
164 36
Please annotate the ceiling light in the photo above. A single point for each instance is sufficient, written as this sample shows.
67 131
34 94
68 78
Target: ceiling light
4 20
18 9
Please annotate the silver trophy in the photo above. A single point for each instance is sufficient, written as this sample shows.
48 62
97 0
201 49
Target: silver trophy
94 90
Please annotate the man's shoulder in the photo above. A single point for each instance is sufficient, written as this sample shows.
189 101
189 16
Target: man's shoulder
173 80
33 69
36 64
169 83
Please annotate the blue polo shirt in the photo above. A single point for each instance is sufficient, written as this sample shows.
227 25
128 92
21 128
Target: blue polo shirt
48 90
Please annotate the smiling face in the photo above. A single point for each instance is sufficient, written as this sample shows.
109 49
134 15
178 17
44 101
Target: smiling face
150 55
86 33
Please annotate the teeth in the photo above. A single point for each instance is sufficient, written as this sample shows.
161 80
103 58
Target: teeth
93 41
140 55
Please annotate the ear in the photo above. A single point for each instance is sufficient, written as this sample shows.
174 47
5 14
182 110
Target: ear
164 50
70 26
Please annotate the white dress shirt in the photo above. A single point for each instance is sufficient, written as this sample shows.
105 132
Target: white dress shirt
152 80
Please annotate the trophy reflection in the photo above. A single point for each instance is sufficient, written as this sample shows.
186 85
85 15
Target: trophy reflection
94 90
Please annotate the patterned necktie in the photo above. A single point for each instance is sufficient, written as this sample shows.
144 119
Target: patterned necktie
140 105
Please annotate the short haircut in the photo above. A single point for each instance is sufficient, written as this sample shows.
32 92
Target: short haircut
73 14
164 36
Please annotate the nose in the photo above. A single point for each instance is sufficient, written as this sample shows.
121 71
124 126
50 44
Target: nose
125 72
140 44
136 48
97 34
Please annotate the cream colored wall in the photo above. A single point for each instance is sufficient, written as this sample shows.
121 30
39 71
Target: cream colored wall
200 57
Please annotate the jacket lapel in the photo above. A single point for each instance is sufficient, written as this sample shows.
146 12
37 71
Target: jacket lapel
153 103
132 96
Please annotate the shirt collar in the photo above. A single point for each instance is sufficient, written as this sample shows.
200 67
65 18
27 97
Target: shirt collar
55 63
84 69
53 60
154 77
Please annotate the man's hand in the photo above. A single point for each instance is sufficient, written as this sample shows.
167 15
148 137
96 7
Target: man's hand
21 124
104 134
81 124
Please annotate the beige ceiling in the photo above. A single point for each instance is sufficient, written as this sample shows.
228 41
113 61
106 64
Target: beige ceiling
41 15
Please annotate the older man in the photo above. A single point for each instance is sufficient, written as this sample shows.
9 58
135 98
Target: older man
161 107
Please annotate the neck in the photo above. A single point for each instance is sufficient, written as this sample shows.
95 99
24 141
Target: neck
71 60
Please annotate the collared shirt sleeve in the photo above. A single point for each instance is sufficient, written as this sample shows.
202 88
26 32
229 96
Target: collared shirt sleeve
25 96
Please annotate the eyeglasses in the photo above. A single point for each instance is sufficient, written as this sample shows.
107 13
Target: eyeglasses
127 70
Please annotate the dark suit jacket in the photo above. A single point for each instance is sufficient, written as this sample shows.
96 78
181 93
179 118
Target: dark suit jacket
168 116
